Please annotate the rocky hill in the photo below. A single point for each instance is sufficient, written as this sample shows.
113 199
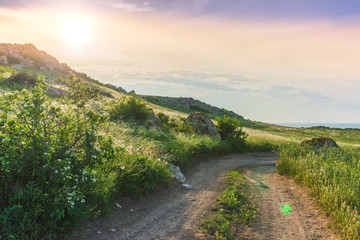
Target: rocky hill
190 104
27 55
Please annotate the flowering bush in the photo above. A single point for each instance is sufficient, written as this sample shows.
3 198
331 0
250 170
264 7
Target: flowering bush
55 168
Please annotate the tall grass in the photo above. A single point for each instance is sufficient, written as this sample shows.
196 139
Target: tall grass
261 141
333 176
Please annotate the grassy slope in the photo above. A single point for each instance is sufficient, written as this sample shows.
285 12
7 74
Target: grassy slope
179 148
142 166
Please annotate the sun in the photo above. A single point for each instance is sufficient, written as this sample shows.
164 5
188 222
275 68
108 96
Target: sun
76 31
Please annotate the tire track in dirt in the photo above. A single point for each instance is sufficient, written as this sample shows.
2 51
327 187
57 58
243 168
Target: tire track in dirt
175 212
305 221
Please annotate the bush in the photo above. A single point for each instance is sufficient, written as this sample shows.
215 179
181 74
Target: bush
78 92
230 129
169 124
55 169
185 127
26 78
129 108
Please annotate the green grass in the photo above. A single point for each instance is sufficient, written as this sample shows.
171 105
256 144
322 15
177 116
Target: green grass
232 210
334 178
341 136
172 147
144 153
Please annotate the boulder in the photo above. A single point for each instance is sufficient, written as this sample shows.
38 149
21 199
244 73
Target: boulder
176 173
320 142
202 124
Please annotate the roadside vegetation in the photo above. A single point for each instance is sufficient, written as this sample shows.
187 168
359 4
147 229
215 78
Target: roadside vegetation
65 158
232 210
333 177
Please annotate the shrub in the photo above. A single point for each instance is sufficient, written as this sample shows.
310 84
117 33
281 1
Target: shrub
55 169
129 108
185 126
78 92
230 129
170 124
26 78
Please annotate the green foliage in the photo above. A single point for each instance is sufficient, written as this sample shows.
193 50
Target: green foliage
55 169
136 176
166 123
184 147
185 127
78 93
169 124
333 176
346 136
26 78
233 207
6 72
129 108
230 129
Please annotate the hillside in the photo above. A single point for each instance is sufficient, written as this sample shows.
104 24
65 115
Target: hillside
28 56
71 145
189 104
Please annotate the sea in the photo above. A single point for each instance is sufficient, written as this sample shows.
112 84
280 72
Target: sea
331 125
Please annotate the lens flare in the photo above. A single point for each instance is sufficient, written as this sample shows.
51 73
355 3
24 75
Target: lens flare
285 209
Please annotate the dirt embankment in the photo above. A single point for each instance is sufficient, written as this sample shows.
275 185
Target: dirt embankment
175 212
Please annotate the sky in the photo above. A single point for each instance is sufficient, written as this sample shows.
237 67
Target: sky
267 60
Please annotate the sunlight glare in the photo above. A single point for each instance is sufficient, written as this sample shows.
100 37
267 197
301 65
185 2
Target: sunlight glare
76 31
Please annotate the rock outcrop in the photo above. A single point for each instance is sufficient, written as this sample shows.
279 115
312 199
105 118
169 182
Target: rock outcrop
176 173
190 103
27 55
321 142
202 124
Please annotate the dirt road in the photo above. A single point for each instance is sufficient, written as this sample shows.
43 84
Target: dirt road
175 212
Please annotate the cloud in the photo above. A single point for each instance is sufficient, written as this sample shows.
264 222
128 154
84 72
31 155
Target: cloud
295 94
141 79
132 7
